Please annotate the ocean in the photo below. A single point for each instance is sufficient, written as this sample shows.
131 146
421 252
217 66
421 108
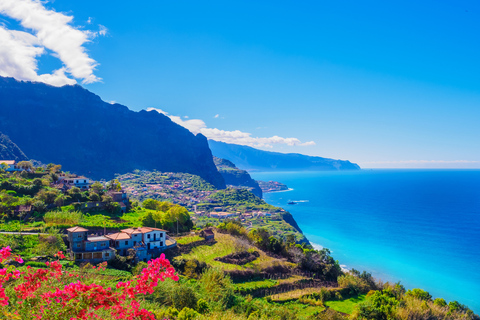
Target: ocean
419 227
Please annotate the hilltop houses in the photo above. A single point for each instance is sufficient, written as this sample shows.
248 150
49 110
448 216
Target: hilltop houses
146 243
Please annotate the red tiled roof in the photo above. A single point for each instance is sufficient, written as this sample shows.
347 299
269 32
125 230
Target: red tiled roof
77 229
142 230
118 236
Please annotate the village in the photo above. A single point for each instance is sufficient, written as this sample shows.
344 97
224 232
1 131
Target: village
144 242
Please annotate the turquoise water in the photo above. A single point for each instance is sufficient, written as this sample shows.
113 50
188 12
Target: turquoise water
420 227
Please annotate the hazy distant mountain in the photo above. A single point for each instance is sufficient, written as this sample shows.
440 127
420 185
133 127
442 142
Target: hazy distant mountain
237 177
248 158
71 126
9 150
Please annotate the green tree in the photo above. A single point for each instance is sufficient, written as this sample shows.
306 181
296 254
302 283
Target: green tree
26 165
440 302
60 200
114 185
419 294
97 187
93 196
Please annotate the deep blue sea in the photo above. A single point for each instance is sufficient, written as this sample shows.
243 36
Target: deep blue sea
420 227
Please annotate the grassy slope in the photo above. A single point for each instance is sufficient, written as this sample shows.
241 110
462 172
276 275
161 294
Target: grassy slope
223 247
347 305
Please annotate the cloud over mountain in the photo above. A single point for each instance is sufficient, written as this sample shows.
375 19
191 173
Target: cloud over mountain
235 137
44 31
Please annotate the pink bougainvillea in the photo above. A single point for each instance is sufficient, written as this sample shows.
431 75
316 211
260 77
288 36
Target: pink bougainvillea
53 292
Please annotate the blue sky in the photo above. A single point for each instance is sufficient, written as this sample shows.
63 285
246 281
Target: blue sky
380 83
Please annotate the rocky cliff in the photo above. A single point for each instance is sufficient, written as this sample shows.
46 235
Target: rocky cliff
236 177
71 126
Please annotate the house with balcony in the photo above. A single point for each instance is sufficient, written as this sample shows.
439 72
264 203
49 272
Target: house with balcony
79 182
123 241
89 248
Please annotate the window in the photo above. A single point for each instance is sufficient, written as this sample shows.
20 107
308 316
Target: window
116 243
161 235
104 244
134 243
148 236
79 245
126 243
107 254
161 243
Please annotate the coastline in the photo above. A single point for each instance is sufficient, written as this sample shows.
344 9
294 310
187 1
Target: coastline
289 189
324 223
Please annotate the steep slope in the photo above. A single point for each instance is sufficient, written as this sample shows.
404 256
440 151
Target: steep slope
248 158
9 150
236 177
74 127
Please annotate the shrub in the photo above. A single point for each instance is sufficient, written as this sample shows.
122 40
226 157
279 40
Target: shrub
419 294
139 267
202 306
187 314
183 296
171 313
440 302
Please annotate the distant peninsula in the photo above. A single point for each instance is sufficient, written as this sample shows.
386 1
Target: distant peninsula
251 159
272 186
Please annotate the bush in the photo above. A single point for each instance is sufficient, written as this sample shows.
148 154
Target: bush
139 267
171 313
187 314
202 306
184 297
440 302
419 294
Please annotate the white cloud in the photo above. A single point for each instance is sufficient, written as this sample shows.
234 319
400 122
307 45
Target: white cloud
236 136
47 29
216 116
102 30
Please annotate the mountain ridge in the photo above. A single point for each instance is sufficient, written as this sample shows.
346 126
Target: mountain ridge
73 126
251 159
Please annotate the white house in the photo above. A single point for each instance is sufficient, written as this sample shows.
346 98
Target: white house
79 182
152 237
12 165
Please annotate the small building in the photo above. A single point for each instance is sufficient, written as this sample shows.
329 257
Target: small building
79 182
85 248
207 234
119 196
12 165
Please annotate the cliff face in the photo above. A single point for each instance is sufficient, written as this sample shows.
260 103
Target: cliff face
248 158
9 150
236 177
74 127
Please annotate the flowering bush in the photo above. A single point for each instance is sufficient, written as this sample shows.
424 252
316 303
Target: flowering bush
53 293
